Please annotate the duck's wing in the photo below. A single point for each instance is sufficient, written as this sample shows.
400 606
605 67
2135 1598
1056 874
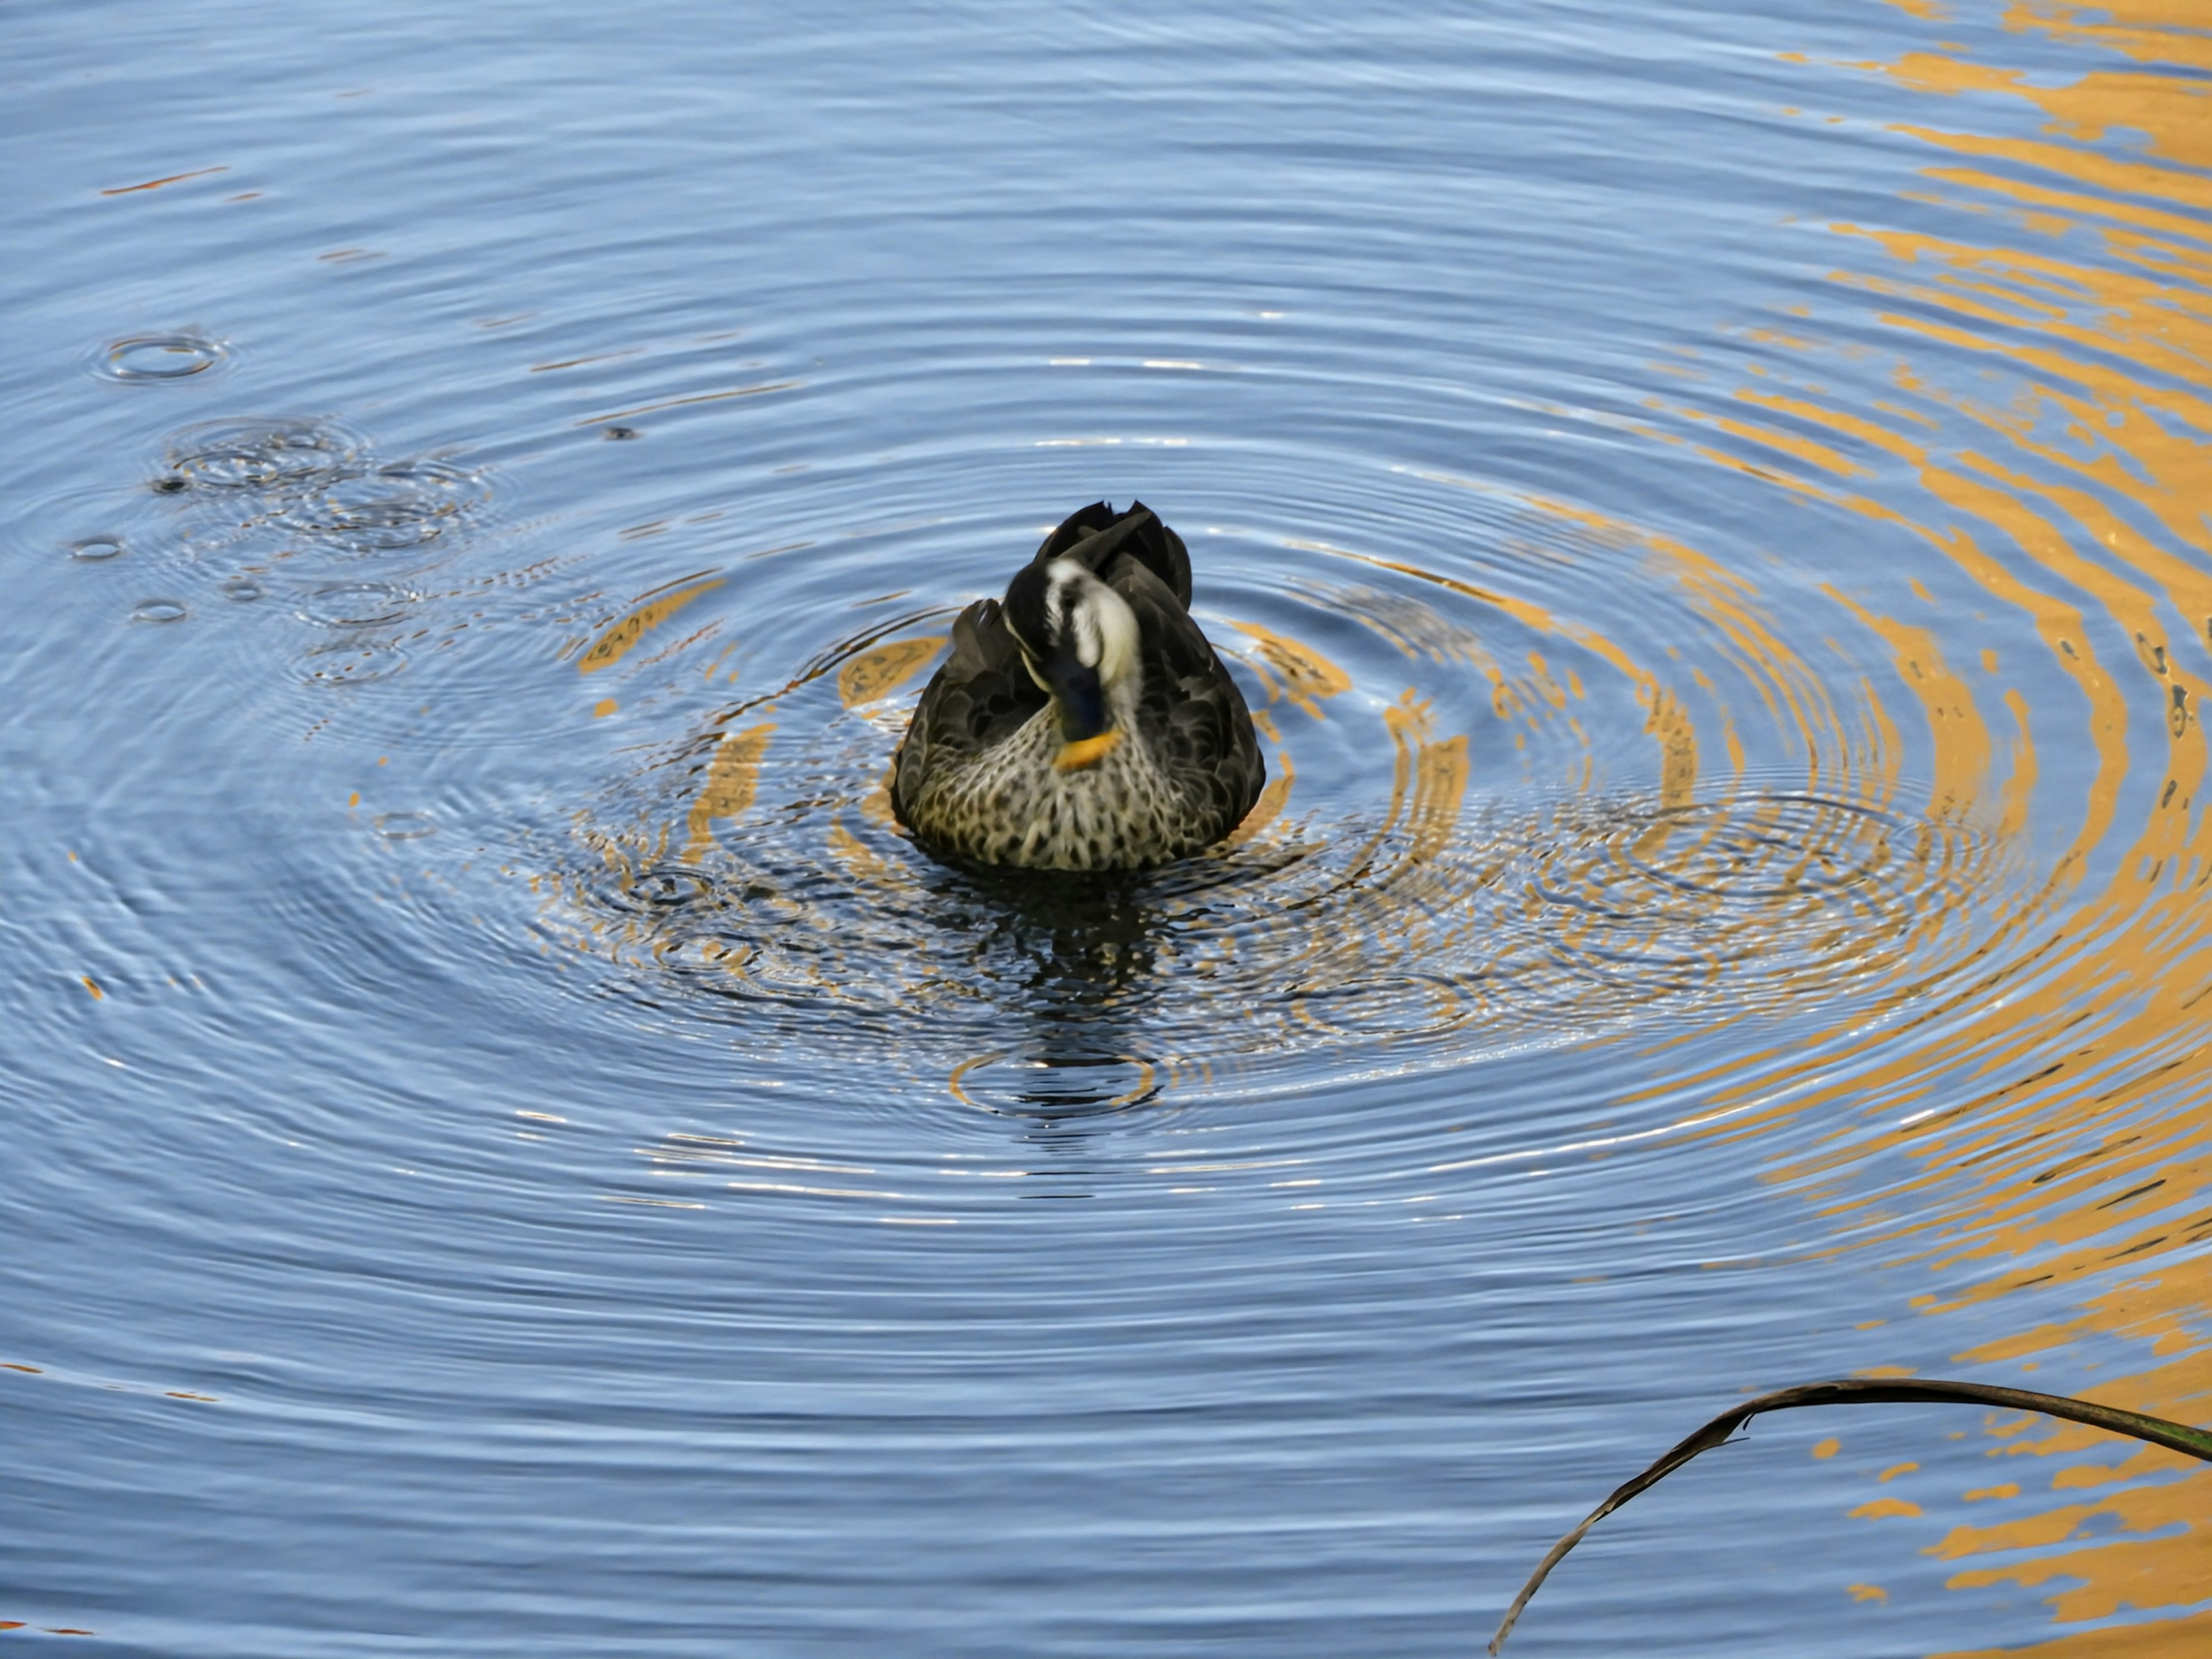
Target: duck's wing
981 693
1160 551
1078 527
1191 709
1095 536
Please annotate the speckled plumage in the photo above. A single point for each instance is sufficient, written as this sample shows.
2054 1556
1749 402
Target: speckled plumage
975 779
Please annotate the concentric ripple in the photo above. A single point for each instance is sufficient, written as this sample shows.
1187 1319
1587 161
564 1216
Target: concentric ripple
356 604
264 455
158 359
385 508
1484 831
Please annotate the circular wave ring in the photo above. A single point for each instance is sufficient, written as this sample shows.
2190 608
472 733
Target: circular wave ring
155 359
356 604
262 454
352 662
812 918
387 508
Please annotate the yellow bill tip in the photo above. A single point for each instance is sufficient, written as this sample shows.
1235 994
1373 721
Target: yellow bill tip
1080 756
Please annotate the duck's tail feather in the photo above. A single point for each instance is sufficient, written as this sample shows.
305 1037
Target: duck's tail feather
1094 534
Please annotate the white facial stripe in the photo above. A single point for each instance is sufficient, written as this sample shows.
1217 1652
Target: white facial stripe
1064 579
1093 618
1115 628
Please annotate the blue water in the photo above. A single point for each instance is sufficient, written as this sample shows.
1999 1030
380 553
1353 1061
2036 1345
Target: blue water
463 1194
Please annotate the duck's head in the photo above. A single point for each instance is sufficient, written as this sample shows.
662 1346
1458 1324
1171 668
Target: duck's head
1078 638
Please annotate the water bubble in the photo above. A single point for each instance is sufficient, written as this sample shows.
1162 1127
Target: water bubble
159 611
170 483
356 604
242 589
95 549
261 454
621 433
152 358
353 662
404 826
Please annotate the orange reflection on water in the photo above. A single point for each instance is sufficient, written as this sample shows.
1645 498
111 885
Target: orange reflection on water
1437 771
882 669
1289 669
1961 760
2151 31
2081 1153
615 643
733 778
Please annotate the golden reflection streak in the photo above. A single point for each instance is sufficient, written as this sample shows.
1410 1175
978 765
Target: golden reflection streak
1439 772
2019 787
881 670
612 645
1273 797
731 778
1961 741
2152 30
2162 184
1306 676
2172 109
959 1075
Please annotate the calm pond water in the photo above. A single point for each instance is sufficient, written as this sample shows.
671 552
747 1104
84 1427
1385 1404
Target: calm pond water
509 1152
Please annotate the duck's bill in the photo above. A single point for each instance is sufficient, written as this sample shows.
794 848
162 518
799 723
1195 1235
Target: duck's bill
1085 752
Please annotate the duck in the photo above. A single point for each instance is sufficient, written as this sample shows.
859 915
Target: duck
1083 722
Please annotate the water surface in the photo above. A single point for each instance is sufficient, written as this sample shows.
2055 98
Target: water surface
509 1149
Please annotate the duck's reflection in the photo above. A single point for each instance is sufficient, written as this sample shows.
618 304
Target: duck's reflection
1087 952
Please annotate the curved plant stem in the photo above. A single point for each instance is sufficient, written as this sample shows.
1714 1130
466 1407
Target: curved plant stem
2175 1436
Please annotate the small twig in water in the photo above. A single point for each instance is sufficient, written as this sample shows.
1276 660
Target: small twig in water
2175 1436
